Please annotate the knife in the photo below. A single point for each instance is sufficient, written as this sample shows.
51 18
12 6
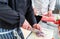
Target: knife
37 32
50 23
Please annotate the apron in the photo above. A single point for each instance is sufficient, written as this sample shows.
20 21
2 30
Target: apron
9 34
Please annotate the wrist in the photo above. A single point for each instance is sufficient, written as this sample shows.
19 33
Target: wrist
34 25
50 11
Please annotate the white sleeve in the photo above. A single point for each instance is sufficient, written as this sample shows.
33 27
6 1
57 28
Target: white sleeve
52 4
33 3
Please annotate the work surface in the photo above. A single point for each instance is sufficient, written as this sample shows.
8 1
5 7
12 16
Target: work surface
49 30
48 34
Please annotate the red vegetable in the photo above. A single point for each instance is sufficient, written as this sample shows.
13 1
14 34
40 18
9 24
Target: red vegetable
57 22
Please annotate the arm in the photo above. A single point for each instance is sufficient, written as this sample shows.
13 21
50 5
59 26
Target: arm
30 14
34 9
51 7
9 15
22 19
21 8
52 4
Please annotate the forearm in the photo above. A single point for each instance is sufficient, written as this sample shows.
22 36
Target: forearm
22 19
30 16
52 4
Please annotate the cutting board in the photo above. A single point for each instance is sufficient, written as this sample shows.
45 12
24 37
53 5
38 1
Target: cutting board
48 34
25 32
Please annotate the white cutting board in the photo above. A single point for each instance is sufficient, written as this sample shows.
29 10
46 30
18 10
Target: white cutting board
25 32
48 34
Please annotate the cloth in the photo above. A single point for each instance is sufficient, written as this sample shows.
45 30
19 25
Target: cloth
9 35
43 6
17 11
14 12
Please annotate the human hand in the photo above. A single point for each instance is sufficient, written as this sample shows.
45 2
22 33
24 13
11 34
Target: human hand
37 26
26 25
49 14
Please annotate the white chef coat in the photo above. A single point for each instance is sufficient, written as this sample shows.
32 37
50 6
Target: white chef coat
43 6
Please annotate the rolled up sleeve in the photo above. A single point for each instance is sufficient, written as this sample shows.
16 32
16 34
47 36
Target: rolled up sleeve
52 4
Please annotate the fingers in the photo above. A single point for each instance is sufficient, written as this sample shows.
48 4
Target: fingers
26 26
37 26
29 28
49 14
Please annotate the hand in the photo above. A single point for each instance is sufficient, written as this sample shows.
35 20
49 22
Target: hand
26 25
45 14
37 26
50 13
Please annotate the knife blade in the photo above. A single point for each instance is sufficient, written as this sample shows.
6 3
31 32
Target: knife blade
37 32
